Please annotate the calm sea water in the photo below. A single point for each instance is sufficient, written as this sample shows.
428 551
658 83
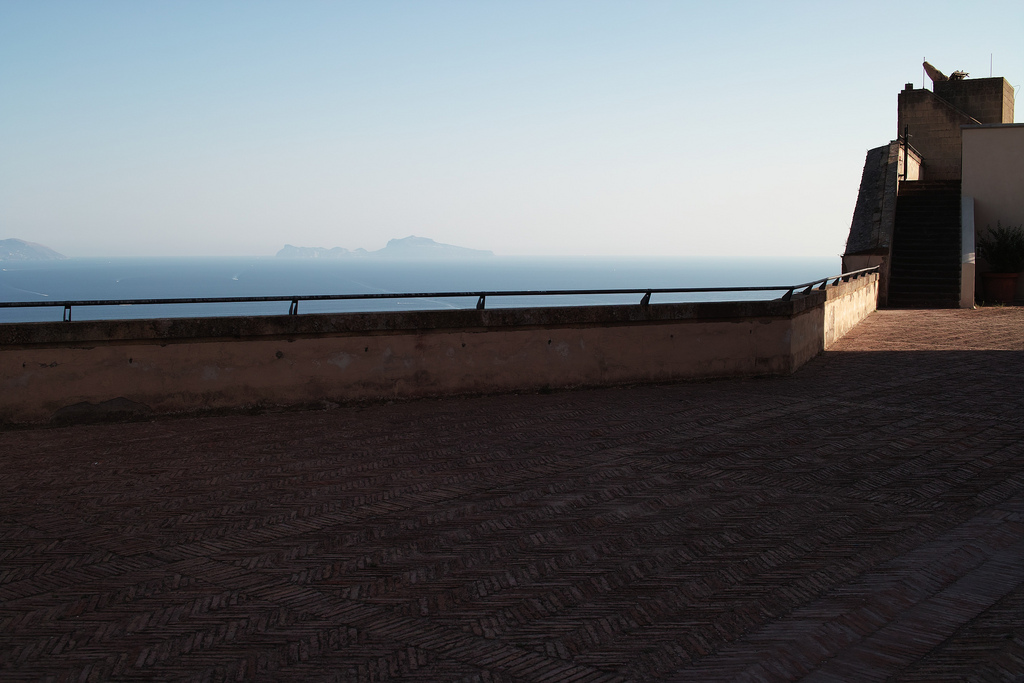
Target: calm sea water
149 278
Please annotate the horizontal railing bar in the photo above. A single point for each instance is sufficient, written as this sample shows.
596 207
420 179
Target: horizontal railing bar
870 269
420 295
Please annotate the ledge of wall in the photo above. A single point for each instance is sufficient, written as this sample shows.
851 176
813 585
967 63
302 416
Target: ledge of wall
95 369
191 330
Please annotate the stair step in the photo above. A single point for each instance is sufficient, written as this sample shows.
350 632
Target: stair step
898 272
929 218
933 265
924 304
927 252
925 273
925 240
931 273
914 278
898 278
926 261
926 243
923 296
953 213
949 261
918 186
948 258
925 291
895 298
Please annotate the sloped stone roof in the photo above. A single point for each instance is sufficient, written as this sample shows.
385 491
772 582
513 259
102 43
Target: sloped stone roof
875 213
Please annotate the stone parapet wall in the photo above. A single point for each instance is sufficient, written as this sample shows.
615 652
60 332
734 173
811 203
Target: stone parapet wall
292 327
83 370
847 304
988 100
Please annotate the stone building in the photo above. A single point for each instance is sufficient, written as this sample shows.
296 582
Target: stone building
914 216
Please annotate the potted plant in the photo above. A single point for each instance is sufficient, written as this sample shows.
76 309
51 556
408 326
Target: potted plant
1003 249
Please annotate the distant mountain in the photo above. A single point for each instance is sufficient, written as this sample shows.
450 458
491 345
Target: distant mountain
420 247
407 247
290 251
20 250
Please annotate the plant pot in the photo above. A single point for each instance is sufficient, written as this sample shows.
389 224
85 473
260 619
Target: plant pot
1000 287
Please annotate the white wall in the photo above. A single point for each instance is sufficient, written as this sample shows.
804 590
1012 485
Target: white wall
993 176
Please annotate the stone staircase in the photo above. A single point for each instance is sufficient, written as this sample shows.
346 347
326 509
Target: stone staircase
925 269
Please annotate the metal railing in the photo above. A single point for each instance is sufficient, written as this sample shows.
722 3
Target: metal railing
293 307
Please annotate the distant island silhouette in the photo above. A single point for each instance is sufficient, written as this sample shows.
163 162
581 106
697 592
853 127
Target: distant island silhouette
406 247
20 250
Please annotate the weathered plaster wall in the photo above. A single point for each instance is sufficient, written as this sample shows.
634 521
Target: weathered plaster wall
993 163
166 366
993 175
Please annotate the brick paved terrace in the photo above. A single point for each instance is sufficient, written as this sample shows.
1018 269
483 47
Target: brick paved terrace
862 519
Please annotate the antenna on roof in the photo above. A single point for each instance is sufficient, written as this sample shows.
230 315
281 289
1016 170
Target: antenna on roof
924 73
990 65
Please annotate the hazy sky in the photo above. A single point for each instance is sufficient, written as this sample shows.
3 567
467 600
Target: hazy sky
553 127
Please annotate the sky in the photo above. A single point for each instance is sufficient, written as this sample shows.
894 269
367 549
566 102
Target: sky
642 128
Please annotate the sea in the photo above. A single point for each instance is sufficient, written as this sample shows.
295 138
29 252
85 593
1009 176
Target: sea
92 279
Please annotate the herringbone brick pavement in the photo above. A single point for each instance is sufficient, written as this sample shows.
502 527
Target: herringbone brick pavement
862 520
